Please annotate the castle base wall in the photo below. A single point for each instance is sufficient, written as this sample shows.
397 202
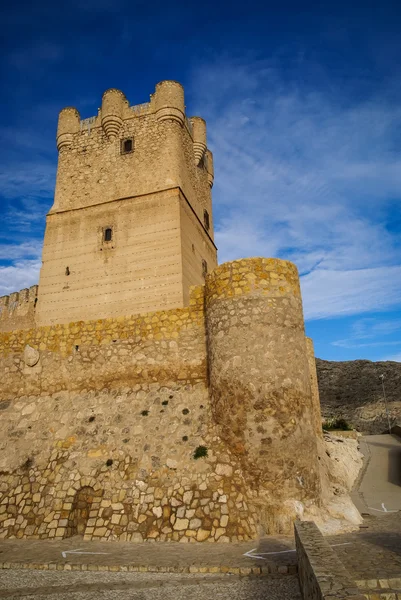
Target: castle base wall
106 430
109 429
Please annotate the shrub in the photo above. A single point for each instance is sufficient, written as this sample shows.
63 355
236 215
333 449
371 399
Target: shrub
339 423
200 452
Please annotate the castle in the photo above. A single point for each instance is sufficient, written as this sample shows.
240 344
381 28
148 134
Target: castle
148 393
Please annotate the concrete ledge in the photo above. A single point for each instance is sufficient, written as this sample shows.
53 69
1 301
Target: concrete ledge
321 574
244 571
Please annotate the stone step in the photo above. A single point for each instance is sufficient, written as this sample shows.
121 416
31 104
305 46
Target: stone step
383 589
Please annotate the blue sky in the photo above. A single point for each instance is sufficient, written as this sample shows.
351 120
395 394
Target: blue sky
303 105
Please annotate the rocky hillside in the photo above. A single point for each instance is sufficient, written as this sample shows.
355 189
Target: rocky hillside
353 390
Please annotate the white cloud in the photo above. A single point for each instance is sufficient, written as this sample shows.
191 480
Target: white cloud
329 293
30 249
306 176
21 274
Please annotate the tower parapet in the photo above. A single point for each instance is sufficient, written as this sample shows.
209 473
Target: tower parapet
68 125
209 167
169 102
113 103
199 137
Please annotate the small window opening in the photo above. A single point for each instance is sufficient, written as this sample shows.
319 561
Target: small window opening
127 146
67 271
108 234
204 268
206 220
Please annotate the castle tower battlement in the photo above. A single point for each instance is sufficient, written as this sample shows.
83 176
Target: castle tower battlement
17 311
131 227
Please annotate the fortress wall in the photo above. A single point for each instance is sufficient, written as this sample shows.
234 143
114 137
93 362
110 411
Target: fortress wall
260 383
138 271
103 418
17 311
116 419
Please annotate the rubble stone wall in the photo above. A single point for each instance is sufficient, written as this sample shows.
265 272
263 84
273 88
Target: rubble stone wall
111 428
321 573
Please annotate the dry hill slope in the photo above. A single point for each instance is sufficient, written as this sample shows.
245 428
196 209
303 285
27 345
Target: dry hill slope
353 390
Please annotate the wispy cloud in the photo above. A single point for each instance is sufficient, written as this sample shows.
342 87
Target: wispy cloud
364 333
21 274
26 250
307 176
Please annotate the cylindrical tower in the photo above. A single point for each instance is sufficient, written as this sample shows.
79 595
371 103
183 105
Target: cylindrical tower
259 377
112 111
68 124
317 415
169 101
199 137
209 167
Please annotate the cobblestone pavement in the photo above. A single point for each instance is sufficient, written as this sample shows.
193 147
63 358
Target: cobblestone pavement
48 585
373 552
273 554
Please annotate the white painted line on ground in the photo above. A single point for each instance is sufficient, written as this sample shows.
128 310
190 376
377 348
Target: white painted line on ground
260 555
78 551
382 509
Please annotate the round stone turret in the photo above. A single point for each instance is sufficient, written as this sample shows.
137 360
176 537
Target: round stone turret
68 124
112 111
259 379
199 137
169 101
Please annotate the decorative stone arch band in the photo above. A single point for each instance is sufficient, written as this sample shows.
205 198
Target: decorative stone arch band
259 376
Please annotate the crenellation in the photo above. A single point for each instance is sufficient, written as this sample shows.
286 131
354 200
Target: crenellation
17 311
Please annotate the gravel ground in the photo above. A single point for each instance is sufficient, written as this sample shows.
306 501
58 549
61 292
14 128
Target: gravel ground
47 585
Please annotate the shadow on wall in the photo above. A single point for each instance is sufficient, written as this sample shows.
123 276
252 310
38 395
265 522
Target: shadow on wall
80 510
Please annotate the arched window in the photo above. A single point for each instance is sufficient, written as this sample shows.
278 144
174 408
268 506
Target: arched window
108 234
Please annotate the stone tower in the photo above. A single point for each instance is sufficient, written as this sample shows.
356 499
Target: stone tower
131 226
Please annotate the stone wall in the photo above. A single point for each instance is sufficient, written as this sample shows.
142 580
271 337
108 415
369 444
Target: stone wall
110 428
116 412
353 390
17 311
321 574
